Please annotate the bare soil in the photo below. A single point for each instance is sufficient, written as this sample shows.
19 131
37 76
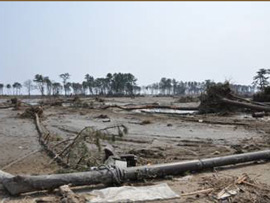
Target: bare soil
154 138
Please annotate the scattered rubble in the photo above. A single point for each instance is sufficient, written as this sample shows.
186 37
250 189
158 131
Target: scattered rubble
236 189
71 149
219 98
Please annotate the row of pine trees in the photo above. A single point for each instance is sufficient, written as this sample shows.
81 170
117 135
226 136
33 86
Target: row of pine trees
116 84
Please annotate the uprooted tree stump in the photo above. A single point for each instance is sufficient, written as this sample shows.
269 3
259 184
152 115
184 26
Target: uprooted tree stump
211 100
219 98
16 102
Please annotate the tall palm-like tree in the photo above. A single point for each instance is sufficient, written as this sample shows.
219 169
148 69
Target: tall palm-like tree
29 86
48 83
40 81
90 82
67 88
2 88
109 77
8 86
77 88
261 79
17 87
56 88
65 77
84 87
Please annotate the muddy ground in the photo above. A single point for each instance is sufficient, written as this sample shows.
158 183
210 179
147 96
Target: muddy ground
153 137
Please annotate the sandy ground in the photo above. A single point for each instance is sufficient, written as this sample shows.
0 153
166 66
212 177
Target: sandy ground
166 138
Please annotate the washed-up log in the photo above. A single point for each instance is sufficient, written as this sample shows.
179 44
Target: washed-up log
246 100
6 107
4 175
130 108
110 175
246 105
258 114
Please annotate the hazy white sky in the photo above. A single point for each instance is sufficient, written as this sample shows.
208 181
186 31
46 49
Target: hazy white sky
182 40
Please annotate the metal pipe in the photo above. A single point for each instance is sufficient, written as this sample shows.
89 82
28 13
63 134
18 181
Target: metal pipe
109 175
177 168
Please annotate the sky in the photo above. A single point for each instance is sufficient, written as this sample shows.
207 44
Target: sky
188 41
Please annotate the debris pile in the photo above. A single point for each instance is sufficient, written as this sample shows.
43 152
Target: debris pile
101 116
219 98
16 102
98 99
211 99
236 189
78 103
187 99
57 102
84 150
145 122
32 111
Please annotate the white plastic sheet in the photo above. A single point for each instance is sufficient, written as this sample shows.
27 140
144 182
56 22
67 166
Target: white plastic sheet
130 194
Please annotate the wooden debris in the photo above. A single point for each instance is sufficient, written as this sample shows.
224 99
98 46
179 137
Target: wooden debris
209 190
68 196
31 111
228 189
246 105
258 114
102 116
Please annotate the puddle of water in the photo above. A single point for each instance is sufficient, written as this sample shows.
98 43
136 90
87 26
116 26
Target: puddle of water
32 103
166 111
66 104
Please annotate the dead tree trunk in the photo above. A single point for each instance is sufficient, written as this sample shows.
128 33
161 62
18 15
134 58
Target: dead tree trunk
6 107
50 151
246 105
246 100
4 175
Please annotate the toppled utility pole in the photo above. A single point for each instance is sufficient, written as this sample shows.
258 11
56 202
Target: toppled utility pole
111 174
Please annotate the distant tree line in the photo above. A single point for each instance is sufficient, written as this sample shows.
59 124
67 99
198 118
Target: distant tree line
120 84
112 84
168 86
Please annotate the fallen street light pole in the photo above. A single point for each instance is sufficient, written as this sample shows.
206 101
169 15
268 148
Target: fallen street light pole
112 174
